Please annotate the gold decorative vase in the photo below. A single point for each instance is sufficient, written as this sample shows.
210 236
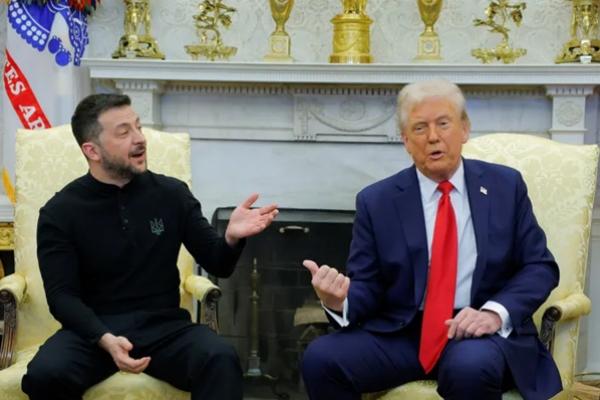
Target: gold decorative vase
499 13
351 34
429 48
279 41
584 45
212 14
137 40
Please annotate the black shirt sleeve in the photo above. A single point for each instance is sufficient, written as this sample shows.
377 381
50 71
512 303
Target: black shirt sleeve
209 249
59 267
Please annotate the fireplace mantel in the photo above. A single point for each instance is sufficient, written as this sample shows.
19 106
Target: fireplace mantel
313 88
365 74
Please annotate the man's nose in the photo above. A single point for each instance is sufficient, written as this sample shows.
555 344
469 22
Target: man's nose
138 137
432 133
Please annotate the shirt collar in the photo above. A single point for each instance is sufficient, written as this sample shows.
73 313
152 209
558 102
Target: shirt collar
429 186
109 188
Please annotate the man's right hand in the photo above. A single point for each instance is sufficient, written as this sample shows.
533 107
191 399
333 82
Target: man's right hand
330 285
119 347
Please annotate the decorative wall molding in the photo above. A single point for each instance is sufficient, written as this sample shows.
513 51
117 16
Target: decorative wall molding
568 115
506 91
145 80
571 90
144 95
251 89
345 118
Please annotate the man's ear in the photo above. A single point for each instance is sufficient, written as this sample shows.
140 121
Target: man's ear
91 151
466 129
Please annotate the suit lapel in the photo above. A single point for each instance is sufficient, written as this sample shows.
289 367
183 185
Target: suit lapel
410 210
477 189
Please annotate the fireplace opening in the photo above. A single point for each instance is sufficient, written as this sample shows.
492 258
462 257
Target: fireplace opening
269 310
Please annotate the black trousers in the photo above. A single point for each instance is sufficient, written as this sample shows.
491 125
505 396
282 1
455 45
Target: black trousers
189 356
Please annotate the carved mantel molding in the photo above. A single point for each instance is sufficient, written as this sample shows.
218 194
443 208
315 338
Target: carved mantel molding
353 92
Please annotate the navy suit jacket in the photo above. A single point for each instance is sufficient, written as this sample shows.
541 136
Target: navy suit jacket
388 263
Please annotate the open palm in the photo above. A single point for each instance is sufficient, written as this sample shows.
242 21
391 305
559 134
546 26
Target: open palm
246 221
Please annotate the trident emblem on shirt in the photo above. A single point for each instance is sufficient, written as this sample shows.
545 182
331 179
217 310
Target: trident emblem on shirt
156 226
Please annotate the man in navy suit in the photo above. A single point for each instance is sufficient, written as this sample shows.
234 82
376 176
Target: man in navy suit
493 270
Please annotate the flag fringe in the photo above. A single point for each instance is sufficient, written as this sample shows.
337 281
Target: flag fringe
9 188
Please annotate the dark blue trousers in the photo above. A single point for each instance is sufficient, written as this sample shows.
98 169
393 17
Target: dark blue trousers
347 363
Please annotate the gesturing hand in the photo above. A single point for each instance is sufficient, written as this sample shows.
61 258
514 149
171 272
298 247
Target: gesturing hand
330 285
245 221
119 347
470 323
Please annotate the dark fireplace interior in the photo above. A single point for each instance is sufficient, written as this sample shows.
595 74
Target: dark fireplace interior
268 310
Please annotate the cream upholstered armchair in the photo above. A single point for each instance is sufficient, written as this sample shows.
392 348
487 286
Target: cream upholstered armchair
561 180
46 160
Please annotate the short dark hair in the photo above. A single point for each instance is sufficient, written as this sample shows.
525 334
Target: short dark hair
84 121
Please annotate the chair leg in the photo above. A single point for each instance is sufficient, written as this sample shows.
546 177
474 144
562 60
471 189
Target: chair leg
7 345
549 319
208 313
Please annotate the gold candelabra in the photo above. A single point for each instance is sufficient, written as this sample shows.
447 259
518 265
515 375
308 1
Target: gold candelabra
429 42
137 40
211 15
502 11
584 45
279 41
351 35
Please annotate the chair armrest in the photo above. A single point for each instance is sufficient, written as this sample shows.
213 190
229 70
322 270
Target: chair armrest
201 287
573 306
208 294
12 291
15 284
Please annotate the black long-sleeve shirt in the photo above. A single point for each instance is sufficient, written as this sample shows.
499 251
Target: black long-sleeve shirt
107 250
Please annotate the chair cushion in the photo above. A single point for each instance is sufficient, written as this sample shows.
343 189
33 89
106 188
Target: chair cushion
120 386
425 390
124 386
10 378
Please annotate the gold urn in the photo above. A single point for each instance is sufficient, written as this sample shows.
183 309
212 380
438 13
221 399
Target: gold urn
351 34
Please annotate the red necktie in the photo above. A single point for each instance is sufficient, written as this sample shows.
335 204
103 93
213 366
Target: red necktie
441 282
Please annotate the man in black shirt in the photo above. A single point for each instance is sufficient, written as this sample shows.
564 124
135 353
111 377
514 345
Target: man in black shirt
107 247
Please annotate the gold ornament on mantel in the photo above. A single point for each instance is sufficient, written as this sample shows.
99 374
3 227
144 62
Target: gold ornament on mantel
279 41
137 40
584 45
211 15
429 42
502 11
351 35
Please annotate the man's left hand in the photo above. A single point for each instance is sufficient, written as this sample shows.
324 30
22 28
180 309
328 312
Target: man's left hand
471 323
246 221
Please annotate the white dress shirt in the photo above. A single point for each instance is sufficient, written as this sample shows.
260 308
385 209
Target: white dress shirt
467 248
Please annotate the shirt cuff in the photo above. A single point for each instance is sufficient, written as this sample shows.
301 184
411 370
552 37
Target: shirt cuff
341 320
506 328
